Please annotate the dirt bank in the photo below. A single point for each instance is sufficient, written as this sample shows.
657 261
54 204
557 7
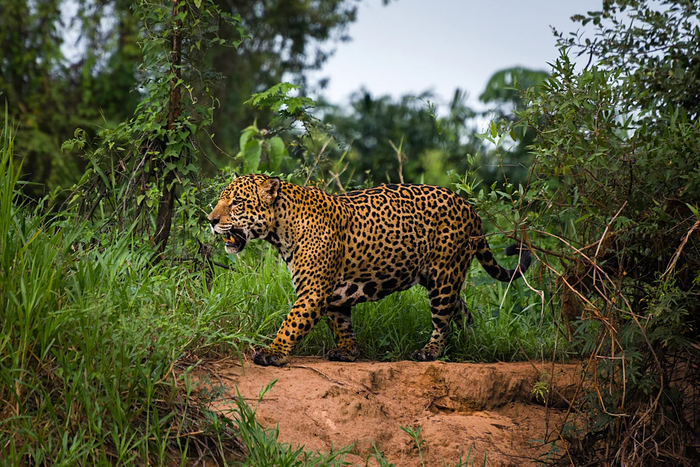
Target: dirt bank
459 406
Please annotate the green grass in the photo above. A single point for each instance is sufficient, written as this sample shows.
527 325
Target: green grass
89 337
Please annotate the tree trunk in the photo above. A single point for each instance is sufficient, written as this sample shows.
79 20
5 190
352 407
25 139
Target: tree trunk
167 199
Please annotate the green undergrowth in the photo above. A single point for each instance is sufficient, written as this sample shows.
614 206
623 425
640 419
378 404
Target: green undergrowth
509 321
90 338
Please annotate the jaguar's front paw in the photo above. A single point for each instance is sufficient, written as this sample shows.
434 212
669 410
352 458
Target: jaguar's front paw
425 355
265 357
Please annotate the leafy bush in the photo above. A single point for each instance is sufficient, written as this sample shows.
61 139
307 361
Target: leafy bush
612 209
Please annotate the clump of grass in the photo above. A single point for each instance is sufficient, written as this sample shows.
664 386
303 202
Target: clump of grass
90 336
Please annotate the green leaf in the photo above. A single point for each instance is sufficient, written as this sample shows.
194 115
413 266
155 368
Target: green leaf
251 156
246 135
276 97
277 153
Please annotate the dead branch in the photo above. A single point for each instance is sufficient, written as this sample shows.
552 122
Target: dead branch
672 264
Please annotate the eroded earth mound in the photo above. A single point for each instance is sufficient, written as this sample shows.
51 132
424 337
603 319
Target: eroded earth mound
485 408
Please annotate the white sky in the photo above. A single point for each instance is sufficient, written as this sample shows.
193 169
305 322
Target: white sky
410 46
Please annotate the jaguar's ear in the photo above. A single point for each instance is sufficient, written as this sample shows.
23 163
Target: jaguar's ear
270 189
235 176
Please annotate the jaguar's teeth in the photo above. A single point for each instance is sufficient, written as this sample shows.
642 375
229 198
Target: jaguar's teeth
228 239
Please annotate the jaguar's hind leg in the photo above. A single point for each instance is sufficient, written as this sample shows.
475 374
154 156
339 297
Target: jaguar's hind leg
340 321
443 310
445 304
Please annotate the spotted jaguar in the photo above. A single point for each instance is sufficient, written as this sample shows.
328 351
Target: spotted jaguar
357 247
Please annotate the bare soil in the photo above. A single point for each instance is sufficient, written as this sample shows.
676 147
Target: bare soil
486 408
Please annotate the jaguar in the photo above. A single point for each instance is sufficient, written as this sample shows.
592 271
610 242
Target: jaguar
356 247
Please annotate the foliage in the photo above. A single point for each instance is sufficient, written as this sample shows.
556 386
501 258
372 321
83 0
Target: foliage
258 152
90 337
506 90
290 111
50 95
407 139
654 45
288 39
276 99
54 86
505 87
612 207
310 143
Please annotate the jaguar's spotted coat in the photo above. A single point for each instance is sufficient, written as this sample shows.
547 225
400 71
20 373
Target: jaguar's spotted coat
356 247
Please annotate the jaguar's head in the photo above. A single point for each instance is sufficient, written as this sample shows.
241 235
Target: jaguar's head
245 210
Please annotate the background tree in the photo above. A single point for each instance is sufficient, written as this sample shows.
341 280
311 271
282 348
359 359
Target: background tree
94 86
431 143
143 164
48 95
288 39
505 93
653 44
376 130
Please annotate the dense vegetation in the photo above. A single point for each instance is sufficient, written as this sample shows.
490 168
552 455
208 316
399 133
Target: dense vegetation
111 289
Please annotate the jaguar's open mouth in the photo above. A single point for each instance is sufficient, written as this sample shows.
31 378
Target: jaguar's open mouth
235 241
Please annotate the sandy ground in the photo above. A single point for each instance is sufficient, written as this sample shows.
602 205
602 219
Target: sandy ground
485 408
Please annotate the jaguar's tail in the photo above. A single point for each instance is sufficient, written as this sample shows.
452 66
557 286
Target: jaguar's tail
485 257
